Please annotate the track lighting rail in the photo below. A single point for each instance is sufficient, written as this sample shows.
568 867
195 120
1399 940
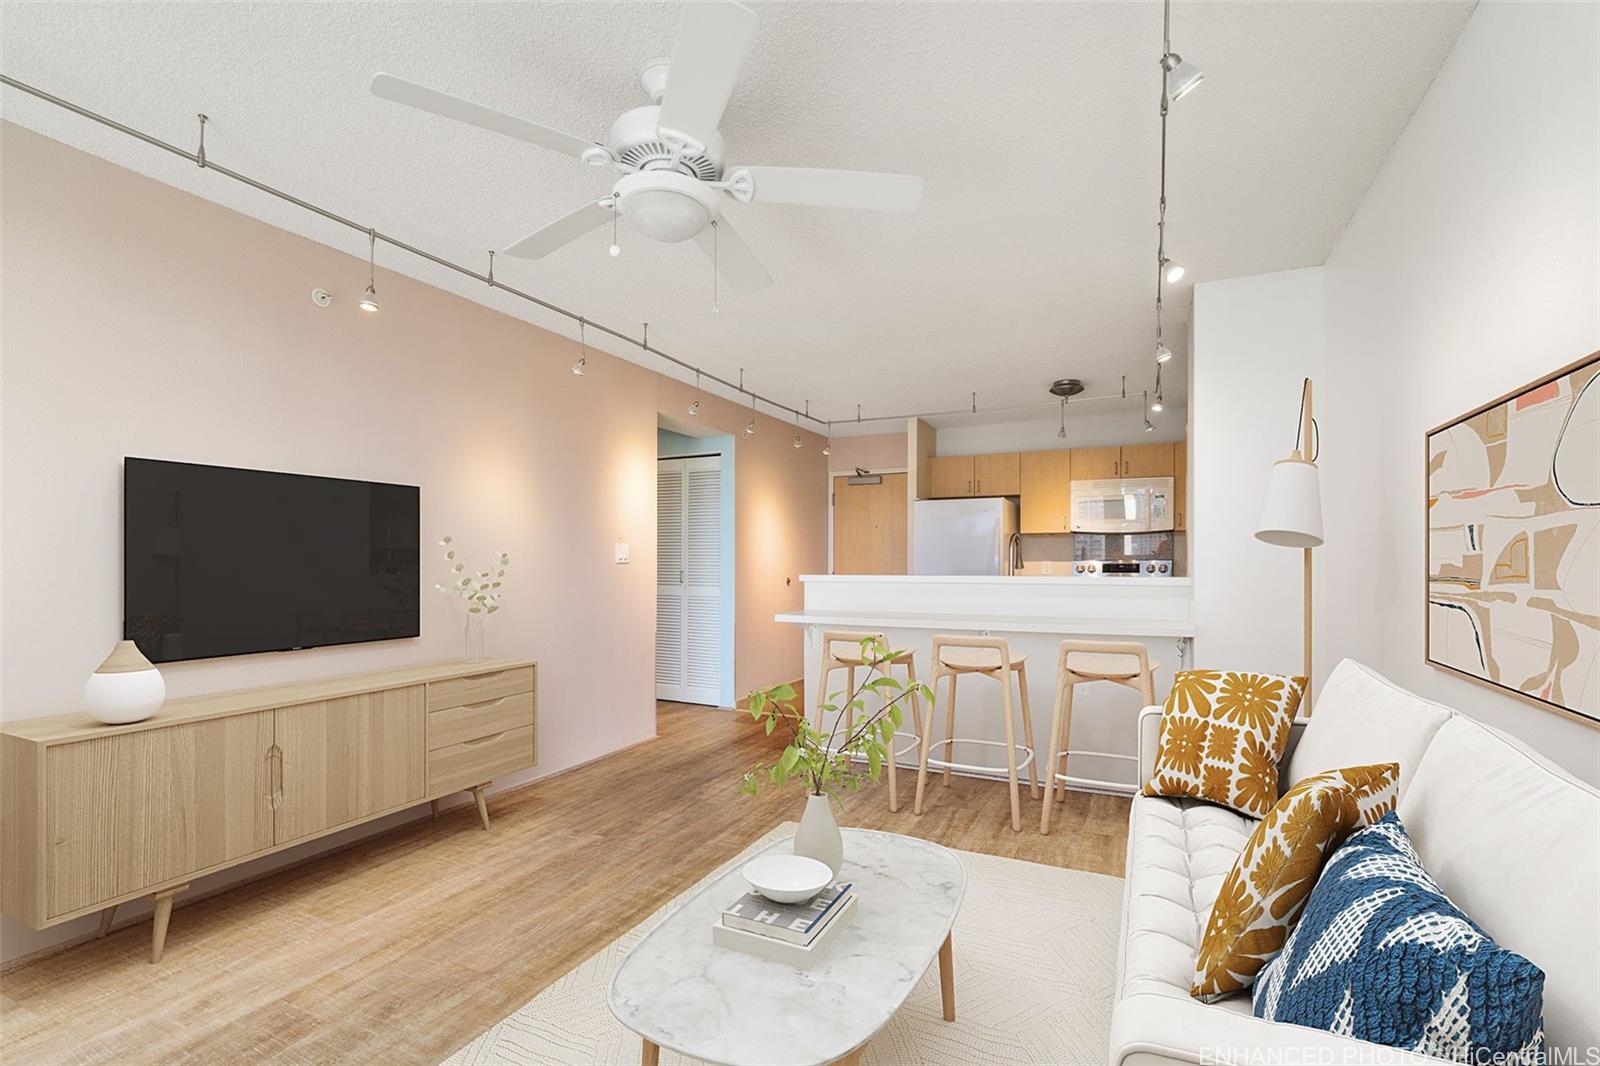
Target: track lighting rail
202 160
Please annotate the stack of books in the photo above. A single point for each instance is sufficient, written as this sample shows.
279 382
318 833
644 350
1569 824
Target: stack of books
796 934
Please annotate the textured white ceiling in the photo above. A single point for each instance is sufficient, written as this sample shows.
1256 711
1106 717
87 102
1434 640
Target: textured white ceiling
1034 124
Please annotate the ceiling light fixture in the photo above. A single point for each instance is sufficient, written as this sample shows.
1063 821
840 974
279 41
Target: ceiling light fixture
827 447
694 408
583 352
749 430
1178 77
1182 76
369 299
714 268
1149 426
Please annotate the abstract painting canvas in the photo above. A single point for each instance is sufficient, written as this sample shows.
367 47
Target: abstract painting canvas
1514 542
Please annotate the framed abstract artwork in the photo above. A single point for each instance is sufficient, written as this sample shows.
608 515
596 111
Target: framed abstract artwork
1513 542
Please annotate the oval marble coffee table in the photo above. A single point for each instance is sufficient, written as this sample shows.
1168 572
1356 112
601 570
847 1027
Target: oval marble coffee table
678 990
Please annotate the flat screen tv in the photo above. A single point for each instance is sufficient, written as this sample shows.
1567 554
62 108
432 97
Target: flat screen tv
222 561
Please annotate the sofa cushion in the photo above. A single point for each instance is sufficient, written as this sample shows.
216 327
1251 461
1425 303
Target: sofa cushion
1178 853
1264 893
1222 734
1516 844
1384 955
1360 718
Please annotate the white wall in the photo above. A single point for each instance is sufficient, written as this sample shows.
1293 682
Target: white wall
1255 340
1472 266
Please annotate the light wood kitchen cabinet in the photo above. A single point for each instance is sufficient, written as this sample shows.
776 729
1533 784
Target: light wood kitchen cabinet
952 476
1096 464
996 475
1046 489
1180 485
1147 460
341 761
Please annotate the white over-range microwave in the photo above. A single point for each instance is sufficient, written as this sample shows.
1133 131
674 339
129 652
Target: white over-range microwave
1125 505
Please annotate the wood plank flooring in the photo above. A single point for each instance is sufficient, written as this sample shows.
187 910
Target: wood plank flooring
404 947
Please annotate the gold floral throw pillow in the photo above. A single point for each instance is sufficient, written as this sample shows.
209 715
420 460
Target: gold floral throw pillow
1222 734
1266 890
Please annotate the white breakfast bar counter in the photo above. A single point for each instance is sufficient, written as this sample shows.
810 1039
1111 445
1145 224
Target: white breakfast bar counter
1034 615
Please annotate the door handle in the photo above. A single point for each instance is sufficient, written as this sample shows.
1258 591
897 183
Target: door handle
980 488
275 776
969 488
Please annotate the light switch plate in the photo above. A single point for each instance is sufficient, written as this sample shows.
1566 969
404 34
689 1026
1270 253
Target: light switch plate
1047 566
622 553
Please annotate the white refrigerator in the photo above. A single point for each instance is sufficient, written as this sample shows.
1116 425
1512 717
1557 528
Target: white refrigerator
963 536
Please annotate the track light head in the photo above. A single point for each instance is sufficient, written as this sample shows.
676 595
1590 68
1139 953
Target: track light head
798 443
1149 426
579 367
1171 271
1157 406
1182 76
827 449
369 299
694 408
1163 353
750 429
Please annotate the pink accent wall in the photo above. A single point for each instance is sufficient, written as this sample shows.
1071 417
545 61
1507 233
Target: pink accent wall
878 451
136 319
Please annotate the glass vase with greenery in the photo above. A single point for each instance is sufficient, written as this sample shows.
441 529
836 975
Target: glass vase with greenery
827 763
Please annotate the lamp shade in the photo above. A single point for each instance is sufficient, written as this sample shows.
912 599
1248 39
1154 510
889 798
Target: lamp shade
1291 514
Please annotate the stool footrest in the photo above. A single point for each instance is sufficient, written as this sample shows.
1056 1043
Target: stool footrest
944 763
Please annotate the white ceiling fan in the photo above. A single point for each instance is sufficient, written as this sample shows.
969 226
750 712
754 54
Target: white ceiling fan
669 152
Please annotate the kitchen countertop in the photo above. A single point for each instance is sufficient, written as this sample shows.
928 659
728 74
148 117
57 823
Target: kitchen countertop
995 623
983 579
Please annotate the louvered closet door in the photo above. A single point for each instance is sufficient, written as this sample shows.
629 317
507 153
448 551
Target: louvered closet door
689 579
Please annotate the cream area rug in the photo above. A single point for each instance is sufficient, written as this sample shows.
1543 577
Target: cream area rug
1035 961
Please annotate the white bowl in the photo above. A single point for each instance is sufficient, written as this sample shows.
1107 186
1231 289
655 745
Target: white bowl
787 878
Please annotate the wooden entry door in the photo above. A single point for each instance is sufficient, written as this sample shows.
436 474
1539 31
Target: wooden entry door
869 526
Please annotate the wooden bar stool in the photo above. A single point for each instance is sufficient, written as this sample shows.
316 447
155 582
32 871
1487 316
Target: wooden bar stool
847 657
987 657
1081 661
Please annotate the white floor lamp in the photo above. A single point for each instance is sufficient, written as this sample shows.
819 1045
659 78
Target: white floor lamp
1291 513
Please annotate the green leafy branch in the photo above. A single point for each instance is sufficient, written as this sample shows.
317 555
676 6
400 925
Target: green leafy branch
811 755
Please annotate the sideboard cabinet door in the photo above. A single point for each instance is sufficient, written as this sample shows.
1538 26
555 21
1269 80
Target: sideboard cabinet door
347 759
132 811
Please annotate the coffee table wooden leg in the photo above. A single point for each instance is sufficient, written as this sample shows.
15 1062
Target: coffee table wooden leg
947 979
650 1054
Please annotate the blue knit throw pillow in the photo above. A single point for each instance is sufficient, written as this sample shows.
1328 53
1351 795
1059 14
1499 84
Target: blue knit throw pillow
1381 954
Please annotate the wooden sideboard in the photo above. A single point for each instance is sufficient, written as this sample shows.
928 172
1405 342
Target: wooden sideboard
92 816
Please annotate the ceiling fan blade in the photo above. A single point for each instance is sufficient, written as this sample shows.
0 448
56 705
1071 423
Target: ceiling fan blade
712 41
831 188
735 261
564 230
441 103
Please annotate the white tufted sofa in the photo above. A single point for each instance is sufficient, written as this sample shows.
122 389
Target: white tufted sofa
1512 839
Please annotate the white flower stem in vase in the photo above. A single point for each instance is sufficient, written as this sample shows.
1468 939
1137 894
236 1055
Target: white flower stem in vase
481 591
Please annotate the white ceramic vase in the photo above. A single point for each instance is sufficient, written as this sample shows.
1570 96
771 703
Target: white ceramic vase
818 837
125 688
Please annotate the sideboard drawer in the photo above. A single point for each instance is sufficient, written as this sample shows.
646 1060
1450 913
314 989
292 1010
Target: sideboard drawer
452 725
479 688
474 762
